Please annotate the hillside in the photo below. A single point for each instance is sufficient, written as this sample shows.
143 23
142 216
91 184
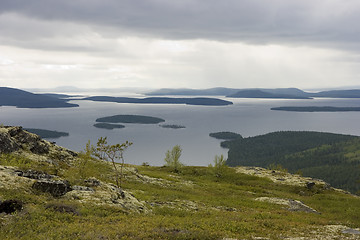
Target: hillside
193 92
54 193
22 99
260 93
316 109
350 93
332 157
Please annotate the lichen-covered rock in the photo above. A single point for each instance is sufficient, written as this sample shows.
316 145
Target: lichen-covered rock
7 144
287 178
16 139
291 205
92 182
108 194
55 188
33 174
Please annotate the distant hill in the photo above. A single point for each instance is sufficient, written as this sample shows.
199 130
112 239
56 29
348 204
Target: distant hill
161 100
22 99
292 93
351 93
261 93
332 157
193 92
286 93
317 109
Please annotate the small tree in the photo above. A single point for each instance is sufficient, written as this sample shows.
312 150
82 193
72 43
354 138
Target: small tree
172 158
111 153
219 165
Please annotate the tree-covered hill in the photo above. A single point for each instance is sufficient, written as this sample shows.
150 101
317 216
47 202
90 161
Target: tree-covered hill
23 99
332 157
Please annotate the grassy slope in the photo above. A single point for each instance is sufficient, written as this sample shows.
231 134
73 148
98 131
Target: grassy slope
192 204
334 158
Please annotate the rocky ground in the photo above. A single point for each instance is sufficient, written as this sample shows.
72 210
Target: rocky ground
16 141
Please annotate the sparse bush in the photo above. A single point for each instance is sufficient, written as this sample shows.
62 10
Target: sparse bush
219 166
172 158
111 153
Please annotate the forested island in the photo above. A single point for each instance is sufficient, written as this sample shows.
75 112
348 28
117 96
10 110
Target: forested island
172 126
140 119
161 100
47 133
317 109
332 157
225 135
108 126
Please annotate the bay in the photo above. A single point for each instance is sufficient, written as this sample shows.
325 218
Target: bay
249 117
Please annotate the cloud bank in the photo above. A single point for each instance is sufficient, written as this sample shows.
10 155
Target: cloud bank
190 43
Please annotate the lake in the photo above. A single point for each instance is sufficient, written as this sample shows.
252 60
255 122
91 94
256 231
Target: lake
249 117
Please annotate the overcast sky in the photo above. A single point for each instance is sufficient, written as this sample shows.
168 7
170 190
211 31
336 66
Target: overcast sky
187 43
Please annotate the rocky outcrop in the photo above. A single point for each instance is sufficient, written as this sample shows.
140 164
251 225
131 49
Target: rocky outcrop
284 177
108 194
16 139
290 204
32 174
7 143
55 188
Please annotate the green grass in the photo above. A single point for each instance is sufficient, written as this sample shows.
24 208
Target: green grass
225 207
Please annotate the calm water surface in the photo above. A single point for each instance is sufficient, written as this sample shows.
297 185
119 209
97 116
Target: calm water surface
249 117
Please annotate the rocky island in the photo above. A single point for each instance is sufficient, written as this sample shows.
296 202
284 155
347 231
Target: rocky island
47 133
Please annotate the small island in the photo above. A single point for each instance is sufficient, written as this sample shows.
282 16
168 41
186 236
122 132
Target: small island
225 135
317 109
43 133
172 126
130 119
108 126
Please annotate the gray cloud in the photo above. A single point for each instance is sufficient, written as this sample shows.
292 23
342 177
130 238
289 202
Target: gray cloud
188 43
330 23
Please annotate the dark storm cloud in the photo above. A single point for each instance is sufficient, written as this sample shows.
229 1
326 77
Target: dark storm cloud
329 22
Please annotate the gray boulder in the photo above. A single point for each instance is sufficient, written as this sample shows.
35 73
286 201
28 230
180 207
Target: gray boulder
7 145
33 174
55 188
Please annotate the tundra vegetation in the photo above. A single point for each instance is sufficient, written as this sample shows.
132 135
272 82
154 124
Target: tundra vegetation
193 203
